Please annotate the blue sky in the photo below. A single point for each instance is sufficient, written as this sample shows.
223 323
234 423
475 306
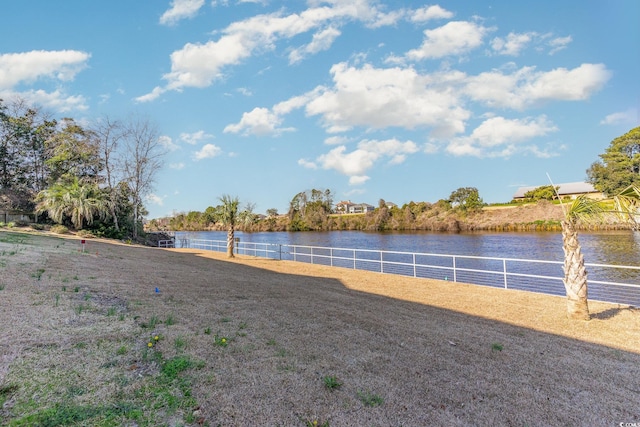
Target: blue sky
401 100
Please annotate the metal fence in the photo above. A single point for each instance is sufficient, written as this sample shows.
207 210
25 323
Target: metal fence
609 283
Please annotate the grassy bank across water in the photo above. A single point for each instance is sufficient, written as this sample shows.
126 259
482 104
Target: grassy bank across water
127 335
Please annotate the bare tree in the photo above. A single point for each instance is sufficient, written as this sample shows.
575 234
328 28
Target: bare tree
109 134
143 155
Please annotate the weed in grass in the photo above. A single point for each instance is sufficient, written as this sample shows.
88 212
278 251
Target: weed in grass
370 399
153 322
57 299
180 343
331 382
225 320
496 347
170 320
76 289
281 352
1 287
207 331
271 342
76 277
241 334
122 350
316 423
6 391
220 341
38 274
87 296
81 345
80 308
121 317
111 311
64 289
242 325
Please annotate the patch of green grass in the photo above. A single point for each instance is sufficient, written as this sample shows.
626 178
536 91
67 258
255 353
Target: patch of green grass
496 347
80 308
153 322
2 287
242 325
271 342
316 423
87 296
76 289
170 320
38 274
331 382
121 317
207 331
225 320
57 299
64 414
180 343
122 350
220 341
370 399
111 311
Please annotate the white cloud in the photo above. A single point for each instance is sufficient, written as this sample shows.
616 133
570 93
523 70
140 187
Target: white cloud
378 98
335 140
181 9
195 137
259 121
499 137
166 142
321 41
356 163
559 43
358 180
27 67
200 64
513 44
307 164
56 100
155 199
207 151
429 13
526 87
453 38
177 166
630 116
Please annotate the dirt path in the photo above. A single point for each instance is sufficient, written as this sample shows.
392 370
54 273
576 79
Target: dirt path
405 351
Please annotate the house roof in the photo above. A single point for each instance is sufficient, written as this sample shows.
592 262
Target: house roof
564 189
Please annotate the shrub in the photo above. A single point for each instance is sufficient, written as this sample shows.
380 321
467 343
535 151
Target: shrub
85 233
59 229
35 226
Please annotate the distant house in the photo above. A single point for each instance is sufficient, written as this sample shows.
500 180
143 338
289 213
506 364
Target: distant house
391 205
344 206
569 190
348 207
361 208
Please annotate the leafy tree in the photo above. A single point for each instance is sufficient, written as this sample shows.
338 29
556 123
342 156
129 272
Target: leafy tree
619 165
545 192
76 201
466 199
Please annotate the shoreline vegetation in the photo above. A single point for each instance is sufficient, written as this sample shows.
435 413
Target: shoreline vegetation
117 334
438 217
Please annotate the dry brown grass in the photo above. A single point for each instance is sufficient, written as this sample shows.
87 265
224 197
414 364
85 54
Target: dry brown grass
436 353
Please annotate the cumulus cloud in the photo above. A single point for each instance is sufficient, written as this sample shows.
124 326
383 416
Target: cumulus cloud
356 163
195 137
429 13
526 87
389 97
513 44
167 143
322 40
259 121
181 9
500 137
207 151
155 199
453 38
200 64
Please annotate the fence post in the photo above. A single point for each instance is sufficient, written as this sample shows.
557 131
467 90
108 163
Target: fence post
414 265
504 268
455 277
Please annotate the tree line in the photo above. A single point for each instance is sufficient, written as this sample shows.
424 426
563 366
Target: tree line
91 176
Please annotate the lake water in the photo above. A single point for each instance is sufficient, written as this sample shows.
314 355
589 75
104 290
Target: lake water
612 247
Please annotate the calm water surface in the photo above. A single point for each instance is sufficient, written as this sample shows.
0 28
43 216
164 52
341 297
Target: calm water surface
613 247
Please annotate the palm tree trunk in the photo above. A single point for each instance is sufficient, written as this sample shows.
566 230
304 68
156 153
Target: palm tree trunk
575 273
230 240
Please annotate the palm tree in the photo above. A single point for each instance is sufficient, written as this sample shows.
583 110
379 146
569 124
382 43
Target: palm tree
575 274
583 209
77 201
228 215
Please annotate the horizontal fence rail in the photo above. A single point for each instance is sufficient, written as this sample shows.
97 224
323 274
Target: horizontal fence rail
608 283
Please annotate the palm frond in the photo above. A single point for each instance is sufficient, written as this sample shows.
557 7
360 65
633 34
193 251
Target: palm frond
627 204
585 210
